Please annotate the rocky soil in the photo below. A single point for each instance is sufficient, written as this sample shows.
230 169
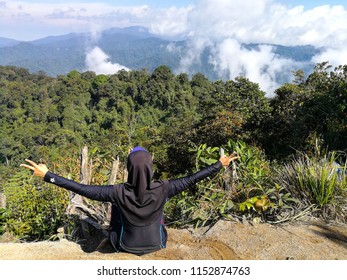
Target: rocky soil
226 240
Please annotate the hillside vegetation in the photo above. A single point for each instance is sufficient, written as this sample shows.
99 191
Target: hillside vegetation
292 147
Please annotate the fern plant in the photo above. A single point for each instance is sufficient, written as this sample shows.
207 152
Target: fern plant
35 210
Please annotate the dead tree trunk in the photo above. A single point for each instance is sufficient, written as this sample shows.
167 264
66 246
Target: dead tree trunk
125 175
2 200
230 177
85 177
92 219
111 181
114 172
86 168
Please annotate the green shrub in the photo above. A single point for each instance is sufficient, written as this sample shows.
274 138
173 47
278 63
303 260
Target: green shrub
2 220
252 187
252 170
231 192
313 180
34 209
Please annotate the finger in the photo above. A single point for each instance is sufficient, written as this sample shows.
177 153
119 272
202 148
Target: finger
28 166
31 162
233 158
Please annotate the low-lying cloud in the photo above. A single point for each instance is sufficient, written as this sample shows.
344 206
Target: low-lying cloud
222 26
260 65
99 62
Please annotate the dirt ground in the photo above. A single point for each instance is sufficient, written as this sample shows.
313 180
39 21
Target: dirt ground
224 241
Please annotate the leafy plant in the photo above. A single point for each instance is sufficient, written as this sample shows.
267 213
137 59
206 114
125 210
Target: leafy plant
34 210
205 155
204 203
313 180
258 203
2 220
244 186
251 171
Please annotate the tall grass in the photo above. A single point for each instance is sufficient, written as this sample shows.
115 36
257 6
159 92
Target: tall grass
314 180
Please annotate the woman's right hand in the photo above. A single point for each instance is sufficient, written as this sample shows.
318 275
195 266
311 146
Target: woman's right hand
40 170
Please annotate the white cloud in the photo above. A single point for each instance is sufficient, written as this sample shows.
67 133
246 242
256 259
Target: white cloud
99 62
260 65
335 56
170 22
230 59
224 25
63 18
221 25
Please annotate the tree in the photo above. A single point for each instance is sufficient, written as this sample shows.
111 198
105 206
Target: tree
315 107
286 127
233 110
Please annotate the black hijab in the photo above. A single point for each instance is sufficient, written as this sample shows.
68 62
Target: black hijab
142 200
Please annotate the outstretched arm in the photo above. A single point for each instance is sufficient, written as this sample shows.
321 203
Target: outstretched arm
176 186
100 193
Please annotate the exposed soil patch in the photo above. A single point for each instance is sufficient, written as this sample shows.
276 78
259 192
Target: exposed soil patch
224 241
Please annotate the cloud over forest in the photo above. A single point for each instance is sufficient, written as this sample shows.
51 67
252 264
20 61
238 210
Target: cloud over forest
99 62
222 26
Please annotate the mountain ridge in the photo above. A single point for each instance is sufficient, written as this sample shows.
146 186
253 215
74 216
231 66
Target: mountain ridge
134 47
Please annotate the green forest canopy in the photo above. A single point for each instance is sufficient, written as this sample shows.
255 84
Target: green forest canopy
50 119
42 117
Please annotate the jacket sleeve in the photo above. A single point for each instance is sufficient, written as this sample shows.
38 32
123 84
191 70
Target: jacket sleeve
100 193
176 186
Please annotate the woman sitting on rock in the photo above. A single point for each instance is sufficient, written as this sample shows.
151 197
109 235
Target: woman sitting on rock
137 225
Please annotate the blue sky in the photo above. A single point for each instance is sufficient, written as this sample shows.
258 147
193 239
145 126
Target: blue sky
33 19
168 3
221 25
156 3
309 4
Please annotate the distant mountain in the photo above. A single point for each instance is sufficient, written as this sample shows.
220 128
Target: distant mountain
137 31
6 42
134 47
56 39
